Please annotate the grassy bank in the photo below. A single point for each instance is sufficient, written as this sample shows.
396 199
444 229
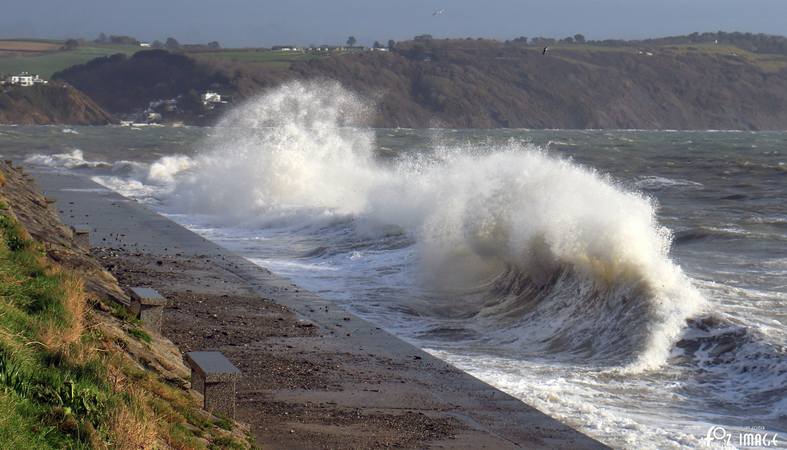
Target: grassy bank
65 382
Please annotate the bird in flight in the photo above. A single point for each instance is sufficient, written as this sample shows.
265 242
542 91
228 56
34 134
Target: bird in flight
438 12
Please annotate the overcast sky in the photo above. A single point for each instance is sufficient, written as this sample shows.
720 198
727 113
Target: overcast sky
266 23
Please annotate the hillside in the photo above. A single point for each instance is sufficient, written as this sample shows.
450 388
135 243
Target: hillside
126 85
76 370
49 104
471 83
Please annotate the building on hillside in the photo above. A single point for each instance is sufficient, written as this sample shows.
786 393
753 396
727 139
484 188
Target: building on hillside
25 79
329 48
153 117
285 48
210 98
340 48
144 45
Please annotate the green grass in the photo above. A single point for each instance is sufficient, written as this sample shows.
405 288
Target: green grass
141 335
65 381
47 63
46 400
223 423
124 314
16 429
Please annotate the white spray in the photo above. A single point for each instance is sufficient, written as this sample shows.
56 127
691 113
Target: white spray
290 150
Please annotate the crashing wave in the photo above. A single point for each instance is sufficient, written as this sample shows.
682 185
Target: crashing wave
572 251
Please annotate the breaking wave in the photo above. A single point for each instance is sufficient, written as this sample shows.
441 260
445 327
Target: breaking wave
567 257
75 159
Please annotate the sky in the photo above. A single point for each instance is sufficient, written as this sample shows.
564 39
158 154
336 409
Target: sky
250 23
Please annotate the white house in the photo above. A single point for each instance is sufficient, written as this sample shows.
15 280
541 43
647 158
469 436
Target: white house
153 117
209 98
144 45
25 79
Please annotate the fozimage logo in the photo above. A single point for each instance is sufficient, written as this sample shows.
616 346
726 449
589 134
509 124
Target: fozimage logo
751 437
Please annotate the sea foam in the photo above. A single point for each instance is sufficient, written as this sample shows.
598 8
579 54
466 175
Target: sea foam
557 242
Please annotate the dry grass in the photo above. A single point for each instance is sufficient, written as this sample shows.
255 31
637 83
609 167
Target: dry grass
131 425
65 369
63 337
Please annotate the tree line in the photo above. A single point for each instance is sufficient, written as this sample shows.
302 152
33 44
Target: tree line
169 43
756 43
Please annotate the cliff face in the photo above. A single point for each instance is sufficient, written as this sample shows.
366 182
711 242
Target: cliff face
49 104
487 84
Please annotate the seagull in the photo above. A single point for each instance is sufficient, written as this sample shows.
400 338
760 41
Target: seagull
544 52
438 12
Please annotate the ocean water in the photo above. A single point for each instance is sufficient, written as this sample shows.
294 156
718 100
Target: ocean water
630 283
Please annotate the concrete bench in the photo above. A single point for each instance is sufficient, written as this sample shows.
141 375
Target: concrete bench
148 305
82 235
214 376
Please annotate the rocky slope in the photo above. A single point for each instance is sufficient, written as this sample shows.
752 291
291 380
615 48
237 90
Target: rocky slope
54 103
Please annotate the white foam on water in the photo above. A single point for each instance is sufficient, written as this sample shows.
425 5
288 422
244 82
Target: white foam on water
74 159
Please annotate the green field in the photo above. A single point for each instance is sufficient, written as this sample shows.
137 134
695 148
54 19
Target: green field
47 63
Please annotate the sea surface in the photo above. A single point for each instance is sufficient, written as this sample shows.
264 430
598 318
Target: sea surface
630 283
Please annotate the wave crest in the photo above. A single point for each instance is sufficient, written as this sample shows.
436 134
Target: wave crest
563 242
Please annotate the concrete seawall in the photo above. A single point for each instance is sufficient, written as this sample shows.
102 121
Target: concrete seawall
381 375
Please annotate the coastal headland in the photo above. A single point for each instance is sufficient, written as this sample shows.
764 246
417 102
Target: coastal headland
702 81
314 375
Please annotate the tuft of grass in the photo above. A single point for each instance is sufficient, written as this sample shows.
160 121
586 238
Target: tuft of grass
181 437
223 423
140 334
225 442
131 425
13 234
63 335
123 313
